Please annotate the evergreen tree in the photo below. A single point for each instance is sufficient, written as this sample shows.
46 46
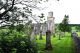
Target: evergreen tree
64 25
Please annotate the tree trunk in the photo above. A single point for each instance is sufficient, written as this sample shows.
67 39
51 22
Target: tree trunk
59 36
64 34
48 40
1 15
32 36
53 34
40 35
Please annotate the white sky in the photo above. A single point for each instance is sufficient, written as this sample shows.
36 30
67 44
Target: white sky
62 7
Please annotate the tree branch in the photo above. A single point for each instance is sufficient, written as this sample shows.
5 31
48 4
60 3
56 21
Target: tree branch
1 15
3 6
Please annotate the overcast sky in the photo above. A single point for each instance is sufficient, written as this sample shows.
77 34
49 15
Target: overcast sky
62 7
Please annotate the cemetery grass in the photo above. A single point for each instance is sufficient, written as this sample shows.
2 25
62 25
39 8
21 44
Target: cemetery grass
65 45
78 34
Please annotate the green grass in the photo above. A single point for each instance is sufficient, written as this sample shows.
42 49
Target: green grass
65 45
78 34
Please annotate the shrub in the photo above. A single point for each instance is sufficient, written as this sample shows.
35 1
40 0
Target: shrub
15 42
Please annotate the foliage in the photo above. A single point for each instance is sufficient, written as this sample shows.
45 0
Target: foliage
78 28
16 39
12 11
20 27
64 26
15 42
42 15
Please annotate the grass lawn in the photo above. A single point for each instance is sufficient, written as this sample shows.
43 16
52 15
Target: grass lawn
65 45
78 34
